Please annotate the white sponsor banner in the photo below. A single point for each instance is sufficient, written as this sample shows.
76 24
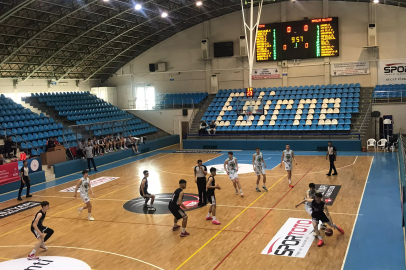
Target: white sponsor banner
348 69
265 73
45 262
292 240
95 182
392 71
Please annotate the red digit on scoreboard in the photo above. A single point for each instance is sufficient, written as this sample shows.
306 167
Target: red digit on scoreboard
306 28
306 45
284 47
289 29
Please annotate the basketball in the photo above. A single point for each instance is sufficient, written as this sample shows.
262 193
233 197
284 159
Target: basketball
328 232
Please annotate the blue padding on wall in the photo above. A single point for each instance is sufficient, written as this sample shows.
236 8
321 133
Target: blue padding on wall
296 145
36 178
73 166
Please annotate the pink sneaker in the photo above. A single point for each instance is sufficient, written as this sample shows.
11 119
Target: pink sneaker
184 234
340 230
209 218
216 222
32 257
175 228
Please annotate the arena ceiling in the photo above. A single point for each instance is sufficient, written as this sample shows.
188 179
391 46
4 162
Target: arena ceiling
92 39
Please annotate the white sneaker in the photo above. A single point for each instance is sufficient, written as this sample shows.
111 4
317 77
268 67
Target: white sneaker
90 218
236 192
80 209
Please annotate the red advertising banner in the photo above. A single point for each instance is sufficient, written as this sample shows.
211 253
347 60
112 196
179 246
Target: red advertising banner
9 173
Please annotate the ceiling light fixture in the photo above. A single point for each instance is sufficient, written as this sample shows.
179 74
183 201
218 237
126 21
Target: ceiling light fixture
199 3
164 14
138 7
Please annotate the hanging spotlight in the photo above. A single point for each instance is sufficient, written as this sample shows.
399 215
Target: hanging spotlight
376 1
164 14
199 3
105 0
138 7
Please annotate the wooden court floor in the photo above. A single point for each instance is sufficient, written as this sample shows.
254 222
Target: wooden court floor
119 239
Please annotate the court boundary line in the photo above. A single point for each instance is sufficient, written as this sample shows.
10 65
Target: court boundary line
232 250
356 217
228 224
95 250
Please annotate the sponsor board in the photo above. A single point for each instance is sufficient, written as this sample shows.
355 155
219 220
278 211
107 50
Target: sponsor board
265 73
9 211
196 152
392 71
329 192
95 182
161 204
292 240
347 69
242 168
45 263
34 165
9 173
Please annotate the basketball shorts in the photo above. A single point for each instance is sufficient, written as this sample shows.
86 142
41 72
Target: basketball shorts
308 209
41 228
85 198
211 199
178 213
320 217
233 175
288 166
259 170
147 195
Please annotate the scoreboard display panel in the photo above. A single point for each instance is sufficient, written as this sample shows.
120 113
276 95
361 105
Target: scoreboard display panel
297 40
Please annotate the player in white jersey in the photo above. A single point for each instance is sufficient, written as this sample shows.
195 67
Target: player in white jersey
287 158
84 186
231 167
259 166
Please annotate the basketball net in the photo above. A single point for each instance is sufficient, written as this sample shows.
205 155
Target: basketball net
253 30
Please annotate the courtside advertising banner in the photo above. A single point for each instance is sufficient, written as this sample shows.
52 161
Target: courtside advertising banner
265 73
94 183
292 240
392 71
9 173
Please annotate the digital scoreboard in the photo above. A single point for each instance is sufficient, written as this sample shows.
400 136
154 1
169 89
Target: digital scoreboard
297 40
249 92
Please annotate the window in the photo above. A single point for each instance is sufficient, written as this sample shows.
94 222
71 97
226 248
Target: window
145 98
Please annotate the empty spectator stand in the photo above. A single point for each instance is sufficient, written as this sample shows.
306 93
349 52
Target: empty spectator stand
310 108
82 108
389 93
180 100
30 130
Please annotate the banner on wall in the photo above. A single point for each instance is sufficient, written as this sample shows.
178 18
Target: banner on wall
34 165
265 73
392 71
349 69
9 173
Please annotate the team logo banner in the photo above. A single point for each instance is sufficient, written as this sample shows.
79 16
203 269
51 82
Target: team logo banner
329 192
392 71
95 182
17 209
292 240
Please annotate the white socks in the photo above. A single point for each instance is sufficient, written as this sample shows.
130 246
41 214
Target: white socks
290 181
241 190
319 237
214 218
33 252
208 215
183 229
90 214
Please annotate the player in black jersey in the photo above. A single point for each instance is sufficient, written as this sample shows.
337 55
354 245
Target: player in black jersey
175 205
41 232
211 186
144 192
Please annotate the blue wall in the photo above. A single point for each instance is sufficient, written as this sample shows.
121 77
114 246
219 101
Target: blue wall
73 166
36 178
297 145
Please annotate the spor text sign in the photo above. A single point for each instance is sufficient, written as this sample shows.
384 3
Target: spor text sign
329 192
392 71
95 182
6 212
292 240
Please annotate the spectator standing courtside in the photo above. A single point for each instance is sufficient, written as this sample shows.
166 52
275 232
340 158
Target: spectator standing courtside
89 155
202 128
200 180
212 127
332 156
79 149
9 147
25 179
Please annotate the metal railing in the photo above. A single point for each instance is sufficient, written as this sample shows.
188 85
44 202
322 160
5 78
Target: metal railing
368 114
7 131
381 96
265 135
192 117
171 104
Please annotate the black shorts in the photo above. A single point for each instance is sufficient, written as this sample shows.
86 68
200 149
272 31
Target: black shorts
178 213
211 199
41 228
147 195
320 217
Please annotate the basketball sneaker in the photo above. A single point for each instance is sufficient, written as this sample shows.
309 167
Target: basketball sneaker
257 189
209 218
80 209
216 222
291 186
32 257
264 187
242 195
43 247
320 243
151 208
184 234
175 228
90 218
340 230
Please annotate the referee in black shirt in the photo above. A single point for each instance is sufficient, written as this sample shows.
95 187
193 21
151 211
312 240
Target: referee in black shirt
200 174
331 155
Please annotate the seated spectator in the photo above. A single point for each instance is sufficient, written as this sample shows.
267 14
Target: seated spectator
202 128
392 141
132 142
79 149
50 144
9 147
212 127
55 141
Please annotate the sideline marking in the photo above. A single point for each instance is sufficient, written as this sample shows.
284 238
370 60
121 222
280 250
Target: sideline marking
290 189
228 224
95 250
6 259
355 221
